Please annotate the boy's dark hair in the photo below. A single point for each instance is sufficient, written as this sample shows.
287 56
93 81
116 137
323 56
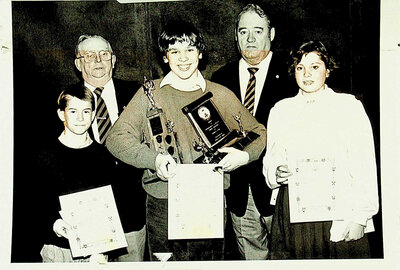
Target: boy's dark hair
312 46
180 31
79 91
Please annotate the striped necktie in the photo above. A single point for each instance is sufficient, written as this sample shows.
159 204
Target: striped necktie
251 91
102 116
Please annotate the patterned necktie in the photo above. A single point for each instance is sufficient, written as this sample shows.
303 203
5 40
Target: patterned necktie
102 116
251 91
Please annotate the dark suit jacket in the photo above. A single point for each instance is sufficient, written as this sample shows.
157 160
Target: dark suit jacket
127 184
276 87
131 200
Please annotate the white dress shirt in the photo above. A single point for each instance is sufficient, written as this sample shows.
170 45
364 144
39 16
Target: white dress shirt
261 75
191 84
110 99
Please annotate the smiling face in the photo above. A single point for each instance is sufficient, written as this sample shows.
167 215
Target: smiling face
254 37
77 116
311 73
98 72
183 59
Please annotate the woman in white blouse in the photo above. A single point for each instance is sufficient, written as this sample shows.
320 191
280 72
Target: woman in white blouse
320 160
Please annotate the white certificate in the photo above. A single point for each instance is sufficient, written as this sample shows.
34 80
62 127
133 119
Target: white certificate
93 216
312 191
196 202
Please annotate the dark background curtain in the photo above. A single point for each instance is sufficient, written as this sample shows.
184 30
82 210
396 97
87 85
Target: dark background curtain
45 34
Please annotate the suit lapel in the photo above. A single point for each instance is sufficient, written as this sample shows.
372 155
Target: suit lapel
268 85
118 97
268 94
236 84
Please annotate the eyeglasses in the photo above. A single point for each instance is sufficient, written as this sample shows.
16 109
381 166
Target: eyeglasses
90 57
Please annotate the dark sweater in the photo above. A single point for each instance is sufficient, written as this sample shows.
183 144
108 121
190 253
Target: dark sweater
62 170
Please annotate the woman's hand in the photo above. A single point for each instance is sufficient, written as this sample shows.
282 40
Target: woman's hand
282 174
353 231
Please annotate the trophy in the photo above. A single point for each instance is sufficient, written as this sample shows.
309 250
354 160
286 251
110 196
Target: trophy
212 130
208 156
244 137
162 136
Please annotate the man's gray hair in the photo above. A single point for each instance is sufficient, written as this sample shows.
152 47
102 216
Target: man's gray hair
255 8
84 37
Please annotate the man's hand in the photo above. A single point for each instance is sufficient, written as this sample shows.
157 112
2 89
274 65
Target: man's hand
165 166
61 228
282 174
353 231
234 159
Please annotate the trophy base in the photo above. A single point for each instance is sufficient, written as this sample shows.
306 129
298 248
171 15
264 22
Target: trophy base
242 142
213 158
235 142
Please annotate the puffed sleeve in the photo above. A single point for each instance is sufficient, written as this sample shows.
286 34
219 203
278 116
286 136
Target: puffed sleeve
362 165
275 153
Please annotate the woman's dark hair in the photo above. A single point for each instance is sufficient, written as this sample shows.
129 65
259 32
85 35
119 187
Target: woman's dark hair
312 46
79 91
180 31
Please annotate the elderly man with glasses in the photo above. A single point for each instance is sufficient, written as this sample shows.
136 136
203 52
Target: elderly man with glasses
95 60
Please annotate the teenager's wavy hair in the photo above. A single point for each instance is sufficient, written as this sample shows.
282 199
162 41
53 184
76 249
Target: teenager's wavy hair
79 91
180 31
312 46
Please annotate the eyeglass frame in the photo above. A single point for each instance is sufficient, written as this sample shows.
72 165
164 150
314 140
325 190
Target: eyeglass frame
97 53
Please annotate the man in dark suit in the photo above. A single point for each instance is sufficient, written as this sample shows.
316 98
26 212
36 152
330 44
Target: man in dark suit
95 60
259 79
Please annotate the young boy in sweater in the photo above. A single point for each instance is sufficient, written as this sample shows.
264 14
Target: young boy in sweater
182 47
66 166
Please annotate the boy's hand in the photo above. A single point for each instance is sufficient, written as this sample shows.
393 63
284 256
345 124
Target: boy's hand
234 159
353 231
165 166
61 228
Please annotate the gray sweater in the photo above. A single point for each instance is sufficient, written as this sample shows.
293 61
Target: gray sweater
125 140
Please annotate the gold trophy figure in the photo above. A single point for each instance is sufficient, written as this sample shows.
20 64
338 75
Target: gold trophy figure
162 136
241 132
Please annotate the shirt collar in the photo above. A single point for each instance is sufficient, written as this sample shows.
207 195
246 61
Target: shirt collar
190 85
107 85
319 95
